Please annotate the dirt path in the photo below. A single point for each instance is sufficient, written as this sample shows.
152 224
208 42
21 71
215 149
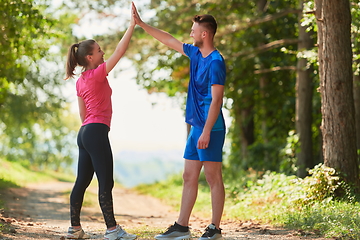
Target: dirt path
42 212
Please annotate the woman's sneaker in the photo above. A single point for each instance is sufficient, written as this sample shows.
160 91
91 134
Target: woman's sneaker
76 234
211 232
175 232
118 234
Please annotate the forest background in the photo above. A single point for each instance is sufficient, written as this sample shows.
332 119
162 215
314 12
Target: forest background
292 87
273 91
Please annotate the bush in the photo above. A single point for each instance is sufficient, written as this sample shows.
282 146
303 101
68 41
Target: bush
323 185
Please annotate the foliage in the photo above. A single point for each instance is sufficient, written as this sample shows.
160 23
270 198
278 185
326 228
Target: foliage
263 199
355 31
33 110
309 20
311 204
288 154
323 185
337 219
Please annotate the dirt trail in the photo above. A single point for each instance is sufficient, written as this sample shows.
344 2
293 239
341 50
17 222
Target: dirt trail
41 211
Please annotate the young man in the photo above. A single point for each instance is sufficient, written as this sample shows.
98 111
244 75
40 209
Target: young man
203 113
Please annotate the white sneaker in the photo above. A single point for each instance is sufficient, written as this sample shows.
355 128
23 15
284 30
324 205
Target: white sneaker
118 234
76 234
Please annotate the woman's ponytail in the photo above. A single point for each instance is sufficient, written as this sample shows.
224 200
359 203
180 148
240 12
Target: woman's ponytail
71 61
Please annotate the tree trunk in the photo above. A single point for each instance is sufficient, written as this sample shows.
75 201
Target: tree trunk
263 82
245 123
357 108
304 92
336 88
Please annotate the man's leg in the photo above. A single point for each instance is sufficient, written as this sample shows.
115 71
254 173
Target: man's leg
214 178
190 189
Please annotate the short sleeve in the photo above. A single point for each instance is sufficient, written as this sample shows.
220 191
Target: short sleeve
98 73
217 72
190 50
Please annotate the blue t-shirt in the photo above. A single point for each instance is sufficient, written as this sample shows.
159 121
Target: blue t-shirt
204 72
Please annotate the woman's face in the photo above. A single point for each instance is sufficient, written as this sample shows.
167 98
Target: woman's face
97 55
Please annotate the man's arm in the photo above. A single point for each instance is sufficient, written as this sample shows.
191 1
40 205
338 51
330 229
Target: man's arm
162 36
217 92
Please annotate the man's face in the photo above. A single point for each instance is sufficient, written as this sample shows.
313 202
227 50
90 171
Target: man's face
197 33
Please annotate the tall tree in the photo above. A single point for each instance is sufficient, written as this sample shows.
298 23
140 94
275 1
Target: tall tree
356 65
335 66
304 93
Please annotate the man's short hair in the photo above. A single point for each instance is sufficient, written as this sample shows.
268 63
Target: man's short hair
207 21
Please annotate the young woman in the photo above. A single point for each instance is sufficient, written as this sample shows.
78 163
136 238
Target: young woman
95 155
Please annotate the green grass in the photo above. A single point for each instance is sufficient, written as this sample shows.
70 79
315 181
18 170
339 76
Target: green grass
144 232
16 174
280 200
170 191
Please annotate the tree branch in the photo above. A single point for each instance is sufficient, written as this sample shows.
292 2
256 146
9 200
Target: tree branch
266 47
254 22
274 69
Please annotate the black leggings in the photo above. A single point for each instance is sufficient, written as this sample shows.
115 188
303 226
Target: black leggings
95 155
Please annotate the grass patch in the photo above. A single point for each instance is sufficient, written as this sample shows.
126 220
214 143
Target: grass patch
145 232
170 191
285 201
16 174
337 219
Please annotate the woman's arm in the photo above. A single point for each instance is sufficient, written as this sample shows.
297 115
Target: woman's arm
121 47
82 109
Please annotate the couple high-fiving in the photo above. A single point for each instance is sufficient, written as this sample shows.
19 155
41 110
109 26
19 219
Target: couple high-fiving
203 112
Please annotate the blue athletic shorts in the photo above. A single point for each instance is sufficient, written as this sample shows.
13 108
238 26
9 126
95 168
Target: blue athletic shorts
213 153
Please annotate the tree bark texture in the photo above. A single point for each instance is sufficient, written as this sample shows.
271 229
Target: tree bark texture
336 88
357 108
304 92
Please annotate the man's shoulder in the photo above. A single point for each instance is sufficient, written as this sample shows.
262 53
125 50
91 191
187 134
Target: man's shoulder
216 55
190 49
